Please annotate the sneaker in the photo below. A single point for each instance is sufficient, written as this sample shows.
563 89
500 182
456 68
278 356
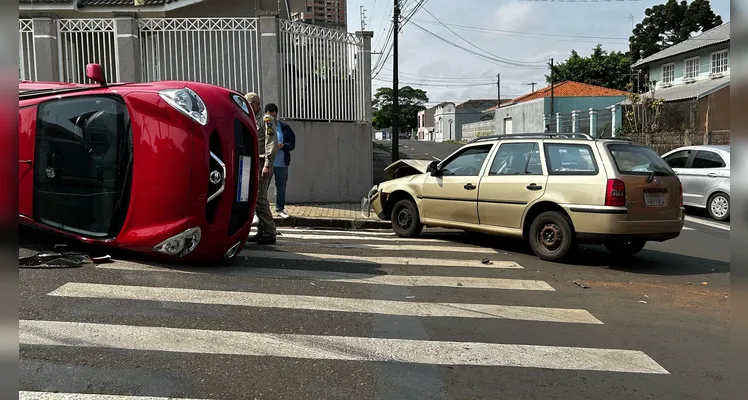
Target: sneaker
283 214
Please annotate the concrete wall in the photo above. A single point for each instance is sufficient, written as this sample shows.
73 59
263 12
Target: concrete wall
332 162
526 117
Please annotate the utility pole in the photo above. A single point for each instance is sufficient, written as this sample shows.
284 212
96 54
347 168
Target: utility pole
552 83
533 85
498 88
395 108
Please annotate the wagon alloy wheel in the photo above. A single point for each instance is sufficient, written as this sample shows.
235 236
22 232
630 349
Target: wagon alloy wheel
551 236
625 248
719 207
405 220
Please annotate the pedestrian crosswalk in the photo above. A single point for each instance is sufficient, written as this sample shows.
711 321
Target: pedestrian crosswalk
267 280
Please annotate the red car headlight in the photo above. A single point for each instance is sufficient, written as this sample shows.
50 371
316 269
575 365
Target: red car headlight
187 102
180 245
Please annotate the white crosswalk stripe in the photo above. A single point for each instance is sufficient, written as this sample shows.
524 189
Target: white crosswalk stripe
273 262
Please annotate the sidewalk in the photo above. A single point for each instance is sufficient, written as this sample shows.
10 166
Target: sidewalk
331 215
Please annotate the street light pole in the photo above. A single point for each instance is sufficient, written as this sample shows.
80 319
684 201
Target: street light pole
395 108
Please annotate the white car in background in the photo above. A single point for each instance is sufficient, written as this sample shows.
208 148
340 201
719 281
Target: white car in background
704 172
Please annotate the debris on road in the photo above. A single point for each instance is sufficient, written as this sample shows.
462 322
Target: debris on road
704 283
487 261
581 284
459 284
642 301
410 297
67 259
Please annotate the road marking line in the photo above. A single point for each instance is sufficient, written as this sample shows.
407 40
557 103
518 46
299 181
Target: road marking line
393 239
346 277
24 395
397 247
400 261
707 223
319 303
345 348
338 232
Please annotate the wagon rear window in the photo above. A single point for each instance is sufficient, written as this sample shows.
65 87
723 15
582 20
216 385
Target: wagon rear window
633 159
82 156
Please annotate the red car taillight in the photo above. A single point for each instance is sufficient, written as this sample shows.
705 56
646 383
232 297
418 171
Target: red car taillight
615 194
680 193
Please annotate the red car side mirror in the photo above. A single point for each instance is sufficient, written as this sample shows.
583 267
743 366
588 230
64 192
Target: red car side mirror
95 73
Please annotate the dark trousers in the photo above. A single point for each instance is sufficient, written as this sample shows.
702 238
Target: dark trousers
281 177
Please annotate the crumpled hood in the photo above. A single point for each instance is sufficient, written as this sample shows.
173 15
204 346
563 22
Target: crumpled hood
401 168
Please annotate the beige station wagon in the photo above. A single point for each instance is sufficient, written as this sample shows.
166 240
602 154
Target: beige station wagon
554 190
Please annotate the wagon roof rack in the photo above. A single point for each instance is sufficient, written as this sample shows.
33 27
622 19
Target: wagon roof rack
533 136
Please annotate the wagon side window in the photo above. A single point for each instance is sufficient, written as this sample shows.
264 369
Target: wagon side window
79 166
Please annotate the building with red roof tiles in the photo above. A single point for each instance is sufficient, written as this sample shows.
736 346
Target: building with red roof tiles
526 113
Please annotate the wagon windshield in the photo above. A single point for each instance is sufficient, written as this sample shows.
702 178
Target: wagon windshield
83 165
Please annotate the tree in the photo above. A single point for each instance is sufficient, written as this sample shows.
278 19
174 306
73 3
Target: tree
410 101
667 24
610 70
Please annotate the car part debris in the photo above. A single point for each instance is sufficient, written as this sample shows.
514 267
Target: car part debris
487 261
67 259
581 284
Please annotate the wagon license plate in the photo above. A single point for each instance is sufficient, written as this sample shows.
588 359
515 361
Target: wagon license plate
654 199
243 179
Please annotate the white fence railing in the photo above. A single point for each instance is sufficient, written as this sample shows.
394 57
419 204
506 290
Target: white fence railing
219 51
478 129
322 73
26 58
83 41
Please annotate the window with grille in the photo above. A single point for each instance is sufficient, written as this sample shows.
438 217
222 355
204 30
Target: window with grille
668 73
692 68
719 62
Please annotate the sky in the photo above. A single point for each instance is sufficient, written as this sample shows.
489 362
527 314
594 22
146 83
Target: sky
520 36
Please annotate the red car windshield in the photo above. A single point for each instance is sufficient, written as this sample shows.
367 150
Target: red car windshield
83 164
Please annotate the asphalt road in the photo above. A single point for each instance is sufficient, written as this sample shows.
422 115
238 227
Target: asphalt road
336 315
421 150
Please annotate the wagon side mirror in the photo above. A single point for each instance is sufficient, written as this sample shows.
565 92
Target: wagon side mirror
95 73
433 168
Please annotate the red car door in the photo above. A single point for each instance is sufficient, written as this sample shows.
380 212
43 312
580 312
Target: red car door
26 141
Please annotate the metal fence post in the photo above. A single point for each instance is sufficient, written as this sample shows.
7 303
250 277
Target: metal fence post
614 120
574 121
558 122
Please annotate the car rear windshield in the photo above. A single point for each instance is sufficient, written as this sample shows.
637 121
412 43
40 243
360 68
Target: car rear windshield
634 159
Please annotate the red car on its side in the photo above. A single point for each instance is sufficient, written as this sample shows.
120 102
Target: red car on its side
167 169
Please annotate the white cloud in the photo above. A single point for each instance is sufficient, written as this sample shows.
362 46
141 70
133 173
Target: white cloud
515 16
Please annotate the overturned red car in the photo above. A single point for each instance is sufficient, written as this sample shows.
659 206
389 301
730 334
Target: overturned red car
167 169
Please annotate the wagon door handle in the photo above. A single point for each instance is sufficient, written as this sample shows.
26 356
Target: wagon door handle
711 175
533 186
469 186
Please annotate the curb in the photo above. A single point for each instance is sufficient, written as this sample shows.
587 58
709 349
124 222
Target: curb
340 223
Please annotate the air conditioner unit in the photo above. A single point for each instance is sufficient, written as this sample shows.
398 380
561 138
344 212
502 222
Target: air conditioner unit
716 75
689 80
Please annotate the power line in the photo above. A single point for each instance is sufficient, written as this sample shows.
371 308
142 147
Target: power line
488 58
506 60
419 84
534 35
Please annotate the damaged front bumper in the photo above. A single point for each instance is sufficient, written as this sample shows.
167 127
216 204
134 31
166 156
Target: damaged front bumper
367 203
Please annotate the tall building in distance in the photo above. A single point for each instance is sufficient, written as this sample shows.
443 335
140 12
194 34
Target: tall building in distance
327 13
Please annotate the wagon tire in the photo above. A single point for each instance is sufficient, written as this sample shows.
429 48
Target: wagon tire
552 236
405 219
